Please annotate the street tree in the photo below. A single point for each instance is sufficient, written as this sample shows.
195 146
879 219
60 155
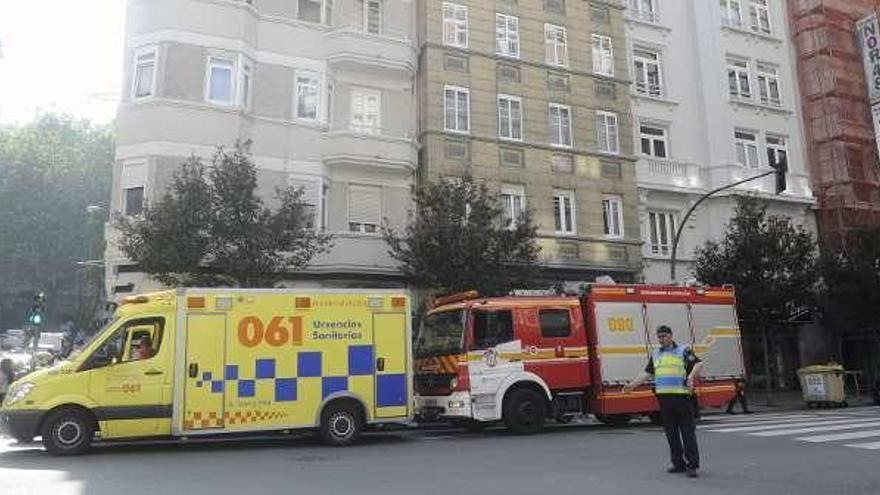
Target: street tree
459 238
771 262
773 266
851 279
210 228
55 175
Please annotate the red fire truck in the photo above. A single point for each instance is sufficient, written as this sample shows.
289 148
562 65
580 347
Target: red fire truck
526 359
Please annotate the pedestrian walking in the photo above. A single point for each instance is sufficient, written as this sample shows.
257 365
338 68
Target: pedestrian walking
674 368
7 376
740 396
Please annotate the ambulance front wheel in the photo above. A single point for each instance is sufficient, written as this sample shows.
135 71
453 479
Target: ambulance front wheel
341 423
68 431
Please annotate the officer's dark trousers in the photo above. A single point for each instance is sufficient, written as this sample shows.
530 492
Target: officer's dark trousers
678 421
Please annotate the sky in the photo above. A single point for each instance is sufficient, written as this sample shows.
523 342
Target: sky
63 55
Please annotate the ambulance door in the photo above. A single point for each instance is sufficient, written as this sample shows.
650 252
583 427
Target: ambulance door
126 386
392 383
205 388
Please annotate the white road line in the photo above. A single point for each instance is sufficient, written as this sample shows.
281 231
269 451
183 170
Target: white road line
798 431
778 425
867 446
756 421
751 418
841 436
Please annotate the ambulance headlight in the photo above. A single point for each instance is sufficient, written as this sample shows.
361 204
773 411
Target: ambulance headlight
453 383
17 392
456 404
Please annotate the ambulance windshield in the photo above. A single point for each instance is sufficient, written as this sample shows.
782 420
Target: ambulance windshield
441 334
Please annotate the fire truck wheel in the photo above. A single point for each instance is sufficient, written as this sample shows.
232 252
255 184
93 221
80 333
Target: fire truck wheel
341 424
68 431
524 411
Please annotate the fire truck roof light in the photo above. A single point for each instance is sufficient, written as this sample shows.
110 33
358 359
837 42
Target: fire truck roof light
454 298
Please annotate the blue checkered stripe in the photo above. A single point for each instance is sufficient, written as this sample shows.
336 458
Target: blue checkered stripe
391 389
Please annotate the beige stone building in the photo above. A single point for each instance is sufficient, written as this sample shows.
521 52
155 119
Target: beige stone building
533 97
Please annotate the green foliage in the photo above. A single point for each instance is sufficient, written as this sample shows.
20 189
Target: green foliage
210 228
457 242
851 277
771 263
51 170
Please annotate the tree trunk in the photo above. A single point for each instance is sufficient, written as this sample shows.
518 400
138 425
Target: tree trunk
768 374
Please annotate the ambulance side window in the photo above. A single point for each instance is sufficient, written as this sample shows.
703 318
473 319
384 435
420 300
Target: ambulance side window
555 323
145 333
492 328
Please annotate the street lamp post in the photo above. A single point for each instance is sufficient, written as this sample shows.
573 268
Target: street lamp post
694 207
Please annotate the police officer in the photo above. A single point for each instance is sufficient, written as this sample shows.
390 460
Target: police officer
674 368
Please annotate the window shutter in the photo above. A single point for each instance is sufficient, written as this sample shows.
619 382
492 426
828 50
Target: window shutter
365 205
134 175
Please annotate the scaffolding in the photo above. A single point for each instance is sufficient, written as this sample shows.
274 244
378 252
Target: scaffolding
837 116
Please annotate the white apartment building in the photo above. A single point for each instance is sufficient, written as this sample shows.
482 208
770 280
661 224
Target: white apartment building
323 88
715 100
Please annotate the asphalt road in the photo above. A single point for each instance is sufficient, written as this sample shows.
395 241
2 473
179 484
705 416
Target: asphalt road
802 452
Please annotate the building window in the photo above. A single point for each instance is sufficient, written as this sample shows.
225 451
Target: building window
245 78
364 209
311 11
612 216
661 230
777 151
759 16
513 202
647 72
220 81
366 108
768 85
731 12
654 141
457 109
560 125
563 212
371 16
307 84
455 25
144 81
645 10
555 45
746 149
510 117
507 35
603 55
133 199
738 79
606 132
313 196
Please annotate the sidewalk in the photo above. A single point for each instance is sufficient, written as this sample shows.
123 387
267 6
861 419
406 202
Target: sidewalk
787 401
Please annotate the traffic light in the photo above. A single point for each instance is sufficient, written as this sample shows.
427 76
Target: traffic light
36 311
779 162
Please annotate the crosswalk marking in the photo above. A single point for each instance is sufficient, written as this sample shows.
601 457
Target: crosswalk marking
798 431
775 426
852 435
857 429
866 446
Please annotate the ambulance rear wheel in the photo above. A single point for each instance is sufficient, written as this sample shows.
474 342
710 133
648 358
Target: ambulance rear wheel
68 432
525 411
341 424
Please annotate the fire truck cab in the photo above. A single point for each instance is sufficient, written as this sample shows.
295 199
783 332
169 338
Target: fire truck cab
526 359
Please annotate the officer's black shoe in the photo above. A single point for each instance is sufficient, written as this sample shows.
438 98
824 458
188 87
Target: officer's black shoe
692 473
676 469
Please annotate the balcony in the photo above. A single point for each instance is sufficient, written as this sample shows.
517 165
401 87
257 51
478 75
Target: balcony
351 44
798 184
671 174
350 144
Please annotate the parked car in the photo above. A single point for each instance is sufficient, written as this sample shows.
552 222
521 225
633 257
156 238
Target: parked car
51 341
13 338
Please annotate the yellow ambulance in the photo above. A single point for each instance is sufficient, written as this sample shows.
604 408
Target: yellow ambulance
192 362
